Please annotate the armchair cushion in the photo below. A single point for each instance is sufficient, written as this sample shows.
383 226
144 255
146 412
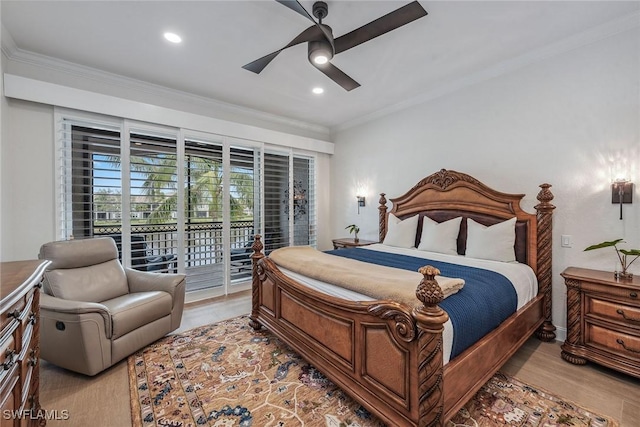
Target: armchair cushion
92 284
131 311
84 270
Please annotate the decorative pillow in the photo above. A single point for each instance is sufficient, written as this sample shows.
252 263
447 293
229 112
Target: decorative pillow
440 237
401 233
495 242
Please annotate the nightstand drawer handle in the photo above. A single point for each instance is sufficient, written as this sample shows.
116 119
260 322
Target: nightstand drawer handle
619 341
632 319
633 295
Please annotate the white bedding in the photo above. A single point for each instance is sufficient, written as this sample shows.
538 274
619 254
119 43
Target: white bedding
521 275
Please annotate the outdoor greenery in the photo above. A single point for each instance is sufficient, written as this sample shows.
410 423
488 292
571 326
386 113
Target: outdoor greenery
158 198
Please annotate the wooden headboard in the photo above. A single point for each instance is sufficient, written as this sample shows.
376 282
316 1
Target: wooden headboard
448 194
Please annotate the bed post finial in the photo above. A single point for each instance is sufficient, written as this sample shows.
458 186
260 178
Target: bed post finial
430 320
255 292
544 217
382 223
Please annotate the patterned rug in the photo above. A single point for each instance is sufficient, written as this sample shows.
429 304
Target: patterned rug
230 375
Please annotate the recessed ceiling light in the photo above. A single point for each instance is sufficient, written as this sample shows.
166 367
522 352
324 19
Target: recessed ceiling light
317 90
172 37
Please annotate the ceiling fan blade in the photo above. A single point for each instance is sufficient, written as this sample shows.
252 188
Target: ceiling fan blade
297 7
258 65
335 74
310 34
380 26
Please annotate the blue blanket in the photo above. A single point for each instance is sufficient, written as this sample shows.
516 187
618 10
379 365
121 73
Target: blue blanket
484 302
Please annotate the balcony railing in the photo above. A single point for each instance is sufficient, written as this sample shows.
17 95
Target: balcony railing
154 248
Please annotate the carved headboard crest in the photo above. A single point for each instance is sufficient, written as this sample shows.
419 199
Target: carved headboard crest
445 178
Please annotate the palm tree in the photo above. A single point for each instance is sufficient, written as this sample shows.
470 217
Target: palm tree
204 186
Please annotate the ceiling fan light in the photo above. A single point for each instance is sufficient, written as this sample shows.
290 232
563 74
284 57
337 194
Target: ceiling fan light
320 59
320 52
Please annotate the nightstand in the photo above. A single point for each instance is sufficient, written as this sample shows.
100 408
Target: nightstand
350 243
603 320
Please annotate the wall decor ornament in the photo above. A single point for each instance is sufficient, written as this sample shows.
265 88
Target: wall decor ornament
299 200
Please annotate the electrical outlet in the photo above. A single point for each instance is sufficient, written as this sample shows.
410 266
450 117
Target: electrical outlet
565 241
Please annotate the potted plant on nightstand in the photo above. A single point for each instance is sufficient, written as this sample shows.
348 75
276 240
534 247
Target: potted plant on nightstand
622 254
355 230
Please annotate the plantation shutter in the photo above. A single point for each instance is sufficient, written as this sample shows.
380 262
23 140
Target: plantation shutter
304 210
153 202
276 201
243 194
90 195
204 245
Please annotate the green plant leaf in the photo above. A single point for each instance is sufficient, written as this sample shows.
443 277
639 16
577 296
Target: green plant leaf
604 245
635 252
352 228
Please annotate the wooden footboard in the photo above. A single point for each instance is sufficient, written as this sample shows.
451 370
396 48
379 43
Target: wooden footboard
384 354
388 356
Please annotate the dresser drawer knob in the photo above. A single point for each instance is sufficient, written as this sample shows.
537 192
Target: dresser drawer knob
633 295
32 318
10 359
619 341
623 314
15 313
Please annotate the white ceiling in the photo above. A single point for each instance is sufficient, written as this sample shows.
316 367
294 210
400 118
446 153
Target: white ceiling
456 40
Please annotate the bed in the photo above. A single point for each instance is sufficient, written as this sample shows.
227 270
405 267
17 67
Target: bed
388 355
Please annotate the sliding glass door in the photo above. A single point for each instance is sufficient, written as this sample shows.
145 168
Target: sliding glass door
180 201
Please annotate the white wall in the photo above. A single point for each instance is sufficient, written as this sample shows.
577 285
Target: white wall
27 181
554 121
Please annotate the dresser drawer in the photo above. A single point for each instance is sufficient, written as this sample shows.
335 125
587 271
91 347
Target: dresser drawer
10 397
613 341
8 354
624 295
11 315
626 314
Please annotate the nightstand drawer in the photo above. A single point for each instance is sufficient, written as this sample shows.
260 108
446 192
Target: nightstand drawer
609 310
618 342
626 296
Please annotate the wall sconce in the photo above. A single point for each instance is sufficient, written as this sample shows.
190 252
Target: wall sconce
621 192
360 203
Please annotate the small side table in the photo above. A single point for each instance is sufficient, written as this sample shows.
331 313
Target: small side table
349 242
603 320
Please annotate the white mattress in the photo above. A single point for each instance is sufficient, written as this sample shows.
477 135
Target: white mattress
521 276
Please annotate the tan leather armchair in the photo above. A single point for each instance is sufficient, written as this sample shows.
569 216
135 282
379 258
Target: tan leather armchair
95 313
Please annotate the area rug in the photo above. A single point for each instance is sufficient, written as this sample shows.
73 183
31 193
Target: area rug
227 375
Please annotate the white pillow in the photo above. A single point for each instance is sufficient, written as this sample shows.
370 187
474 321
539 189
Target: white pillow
494 242
401 233
440 237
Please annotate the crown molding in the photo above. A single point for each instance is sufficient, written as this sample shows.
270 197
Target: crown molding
8 44
600 32
14 53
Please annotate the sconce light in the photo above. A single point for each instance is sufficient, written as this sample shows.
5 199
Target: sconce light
621 192
360 202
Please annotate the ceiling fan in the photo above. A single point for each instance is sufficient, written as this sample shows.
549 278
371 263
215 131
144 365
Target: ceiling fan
322 46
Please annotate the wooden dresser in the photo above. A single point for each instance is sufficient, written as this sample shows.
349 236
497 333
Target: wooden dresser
19 350
603 320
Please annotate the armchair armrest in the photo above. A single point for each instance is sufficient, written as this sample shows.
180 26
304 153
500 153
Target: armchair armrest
59 305
144 281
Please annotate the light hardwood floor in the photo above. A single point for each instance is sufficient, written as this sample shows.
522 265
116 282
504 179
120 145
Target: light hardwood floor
103 400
